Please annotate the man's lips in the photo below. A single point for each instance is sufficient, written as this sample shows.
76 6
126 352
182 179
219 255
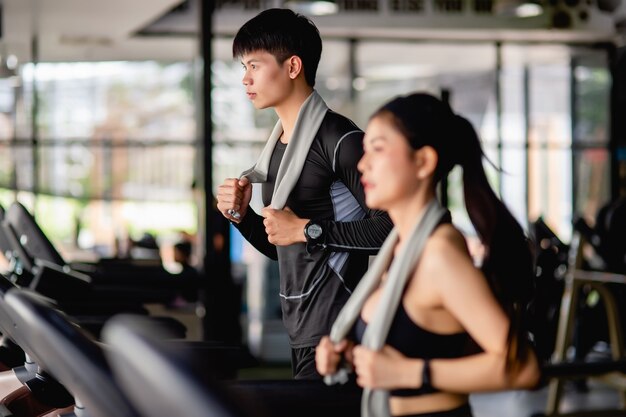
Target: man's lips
251 96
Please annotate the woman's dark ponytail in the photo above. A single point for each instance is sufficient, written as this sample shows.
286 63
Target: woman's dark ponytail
427 121
508 261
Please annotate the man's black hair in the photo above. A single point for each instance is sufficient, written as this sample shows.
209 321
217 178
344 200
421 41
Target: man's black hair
282 33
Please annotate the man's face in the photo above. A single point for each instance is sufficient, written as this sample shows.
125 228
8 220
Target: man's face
267 82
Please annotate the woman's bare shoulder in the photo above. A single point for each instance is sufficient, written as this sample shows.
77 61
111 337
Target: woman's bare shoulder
445 240
445 252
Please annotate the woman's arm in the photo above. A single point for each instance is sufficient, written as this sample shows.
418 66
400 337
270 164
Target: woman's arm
446 277
462 289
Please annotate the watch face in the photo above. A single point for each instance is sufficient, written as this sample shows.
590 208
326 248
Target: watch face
314 231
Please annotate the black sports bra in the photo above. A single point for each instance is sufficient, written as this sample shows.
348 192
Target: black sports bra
415 342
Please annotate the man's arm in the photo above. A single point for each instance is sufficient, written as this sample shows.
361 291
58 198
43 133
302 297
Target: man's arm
234 195
252 229
365 235
368 234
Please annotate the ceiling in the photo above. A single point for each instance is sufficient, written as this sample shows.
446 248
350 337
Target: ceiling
88 30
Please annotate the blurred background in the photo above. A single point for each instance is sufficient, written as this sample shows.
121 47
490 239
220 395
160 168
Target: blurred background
118 120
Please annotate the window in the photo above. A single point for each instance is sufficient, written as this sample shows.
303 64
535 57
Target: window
115 150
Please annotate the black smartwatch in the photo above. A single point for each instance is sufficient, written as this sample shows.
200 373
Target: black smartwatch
314 233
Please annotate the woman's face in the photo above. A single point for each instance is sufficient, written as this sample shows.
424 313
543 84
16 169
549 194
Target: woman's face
388 165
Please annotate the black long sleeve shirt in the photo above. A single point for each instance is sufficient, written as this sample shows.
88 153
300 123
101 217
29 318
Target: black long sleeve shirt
314 284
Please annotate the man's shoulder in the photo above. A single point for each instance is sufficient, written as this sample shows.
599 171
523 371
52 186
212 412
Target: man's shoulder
339 121
336 126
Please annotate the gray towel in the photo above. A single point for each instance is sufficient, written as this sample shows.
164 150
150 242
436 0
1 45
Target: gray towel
375 403
308 122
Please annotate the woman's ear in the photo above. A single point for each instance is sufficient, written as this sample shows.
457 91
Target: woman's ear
295 66
425 161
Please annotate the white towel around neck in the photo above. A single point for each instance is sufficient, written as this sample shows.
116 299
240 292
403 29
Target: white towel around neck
375 403
308 122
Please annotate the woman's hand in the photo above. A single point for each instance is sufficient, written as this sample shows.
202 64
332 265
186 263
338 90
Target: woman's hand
385 369
328 355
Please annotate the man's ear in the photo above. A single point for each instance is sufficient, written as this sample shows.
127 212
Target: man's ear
426 159
295 66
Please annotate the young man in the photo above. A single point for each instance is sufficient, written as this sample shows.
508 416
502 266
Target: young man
315 221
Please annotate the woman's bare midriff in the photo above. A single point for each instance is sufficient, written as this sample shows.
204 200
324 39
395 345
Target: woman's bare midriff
439 401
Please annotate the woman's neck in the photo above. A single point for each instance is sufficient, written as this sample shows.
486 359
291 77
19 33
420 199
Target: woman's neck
406 213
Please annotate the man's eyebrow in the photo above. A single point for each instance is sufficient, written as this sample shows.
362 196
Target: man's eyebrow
250 60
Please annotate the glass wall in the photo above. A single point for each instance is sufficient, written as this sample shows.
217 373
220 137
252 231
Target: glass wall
116 141
114 151
521 98
113 154
591 158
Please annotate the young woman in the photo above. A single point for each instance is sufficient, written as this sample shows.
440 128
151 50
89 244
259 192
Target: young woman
447 304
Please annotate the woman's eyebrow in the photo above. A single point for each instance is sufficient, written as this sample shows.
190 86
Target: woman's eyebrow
375 139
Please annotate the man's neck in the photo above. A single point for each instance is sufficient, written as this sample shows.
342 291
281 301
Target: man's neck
288 111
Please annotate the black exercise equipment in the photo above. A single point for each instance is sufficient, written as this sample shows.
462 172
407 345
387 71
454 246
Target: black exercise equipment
181 390
90 299
607 235
612 369
39 392
581 369
287 398
11 356
159 379
550 266
32 255
5 246
610 227
126 280
31 237
61 349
